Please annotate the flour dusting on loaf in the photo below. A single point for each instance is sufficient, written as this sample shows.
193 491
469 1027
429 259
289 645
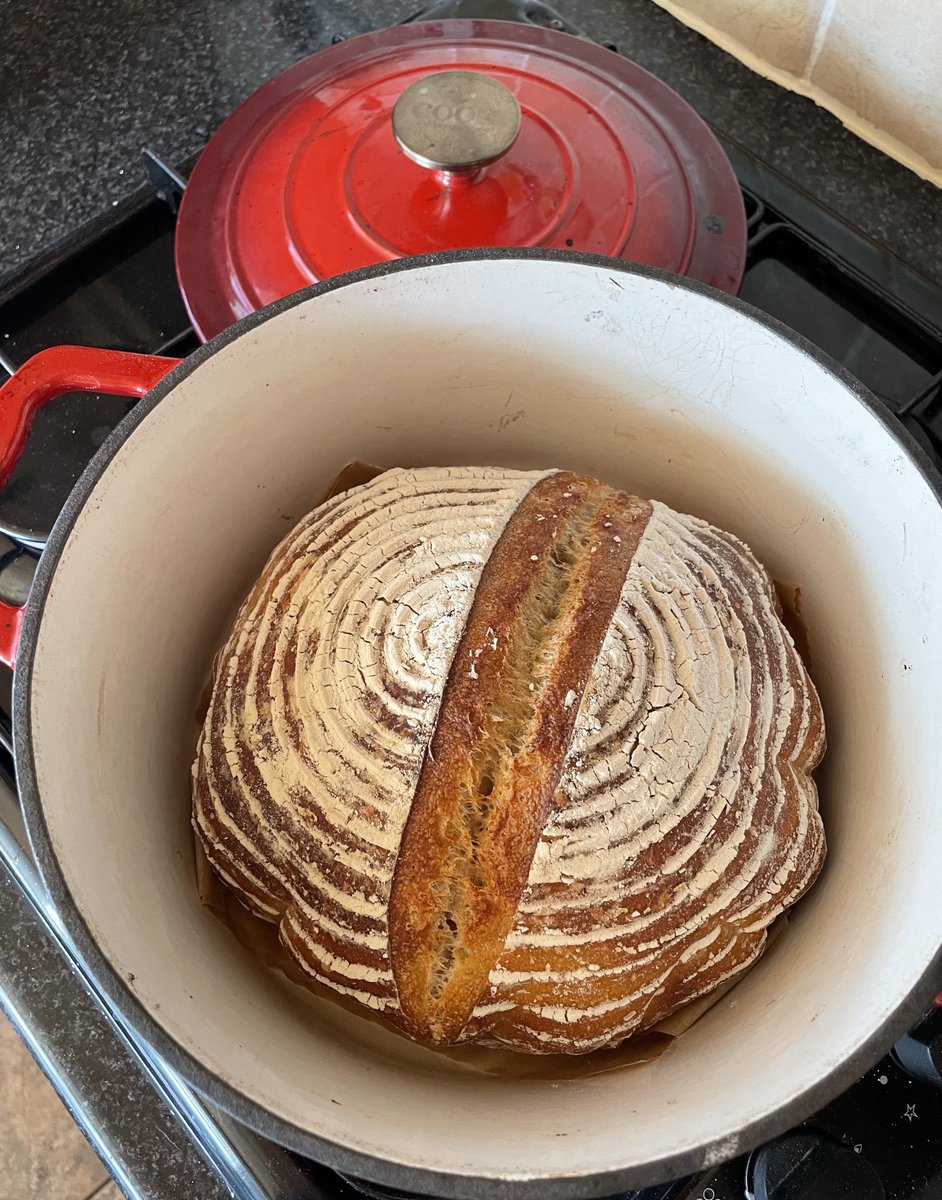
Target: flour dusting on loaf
512 757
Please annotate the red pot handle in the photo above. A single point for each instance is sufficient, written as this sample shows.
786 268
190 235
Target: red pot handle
46 375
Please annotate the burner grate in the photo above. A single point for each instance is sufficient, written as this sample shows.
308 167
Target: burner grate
871 312
867 309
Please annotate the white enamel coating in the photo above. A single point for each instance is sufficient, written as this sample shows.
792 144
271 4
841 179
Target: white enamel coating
531 364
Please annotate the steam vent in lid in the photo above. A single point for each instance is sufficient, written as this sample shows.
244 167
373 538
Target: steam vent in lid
512 757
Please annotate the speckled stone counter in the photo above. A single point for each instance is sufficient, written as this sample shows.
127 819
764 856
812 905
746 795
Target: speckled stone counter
84 84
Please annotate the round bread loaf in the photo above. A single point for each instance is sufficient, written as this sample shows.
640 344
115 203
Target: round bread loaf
512 757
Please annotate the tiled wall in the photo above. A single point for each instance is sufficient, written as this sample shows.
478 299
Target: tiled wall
876 64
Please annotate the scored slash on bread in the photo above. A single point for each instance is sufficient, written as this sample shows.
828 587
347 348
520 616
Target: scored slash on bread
514 758
540 612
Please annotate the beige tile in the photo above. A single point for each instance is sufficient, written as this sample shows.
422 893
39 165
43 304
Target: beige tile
43 1153
884 62
110 1191
780 33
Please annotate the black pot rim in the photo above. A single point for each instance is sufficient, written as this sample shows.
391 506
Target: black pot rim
224 1095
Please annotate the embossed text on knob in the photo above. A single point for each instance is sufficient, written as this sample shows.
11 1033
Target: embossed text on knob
456 120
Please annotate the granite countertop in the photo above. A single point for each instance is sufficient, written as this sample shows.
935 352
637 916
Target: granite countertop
85 84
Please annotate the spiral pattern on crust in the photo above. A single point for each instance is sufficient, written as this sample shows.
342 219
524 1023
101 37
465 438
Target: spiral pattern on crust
686 820
324 701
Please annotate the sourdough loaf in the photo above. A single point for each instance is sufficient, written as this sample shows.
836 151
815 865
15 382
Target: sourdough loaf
512 757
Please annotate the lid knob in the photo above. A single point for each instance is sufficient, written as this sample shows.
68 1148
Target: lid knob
456 121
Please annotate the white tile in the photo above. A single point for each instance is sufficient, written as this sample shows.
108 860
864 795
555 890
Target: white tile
884 63
779 33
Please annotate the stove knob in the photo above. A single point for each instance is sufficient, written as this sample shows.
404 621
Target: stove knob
919 1052
808 1166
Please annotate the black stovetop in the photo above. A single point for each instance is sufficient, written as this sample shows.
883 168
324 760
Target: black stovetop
869 310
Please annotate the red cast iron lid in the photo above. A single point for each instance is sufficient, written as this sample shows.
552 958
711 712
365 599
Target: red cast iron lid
306 179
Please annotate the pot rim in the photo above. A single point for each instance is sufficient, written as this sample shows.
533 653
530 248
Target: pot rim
226 1096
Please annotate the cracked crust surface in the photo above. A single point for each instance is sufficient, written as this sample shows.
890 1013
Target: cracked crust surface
548 868
686 819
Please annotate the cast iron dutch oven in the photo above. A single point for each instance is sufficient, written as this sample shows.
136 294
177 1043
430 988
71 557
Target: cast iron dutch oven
526 359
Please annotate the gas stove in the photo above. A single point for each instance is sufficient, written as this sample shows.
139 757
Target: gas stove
806 266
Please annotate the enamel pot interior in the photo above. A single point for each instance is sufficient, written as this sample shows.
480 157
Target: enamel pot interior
526 360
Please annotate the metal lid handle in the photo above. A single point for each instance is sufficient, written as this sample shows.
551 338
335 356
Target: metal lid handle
456 121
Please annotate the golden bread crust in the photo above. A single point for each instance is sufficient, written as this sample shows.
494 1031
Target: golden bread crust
541 610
